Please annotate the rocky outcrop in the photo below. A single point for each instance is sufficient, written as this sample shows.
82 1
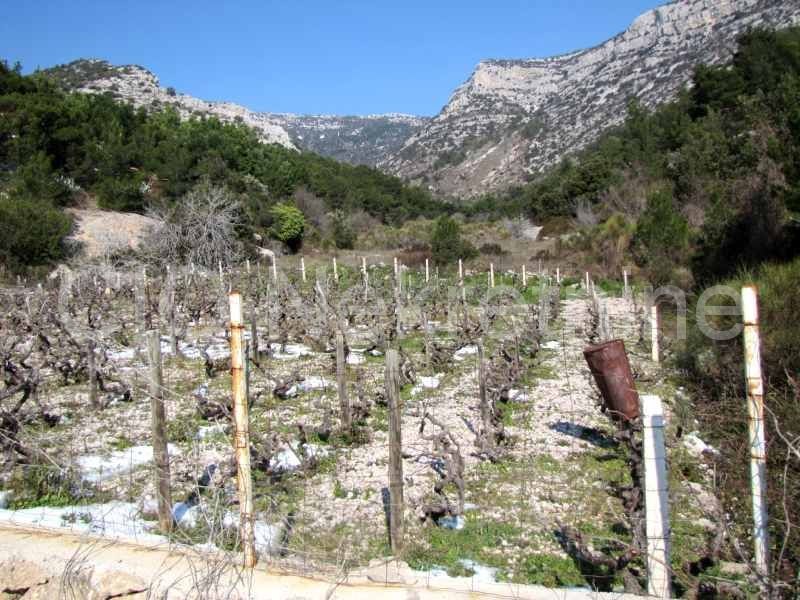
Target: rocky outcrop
354 139
366 140
140 87
513 118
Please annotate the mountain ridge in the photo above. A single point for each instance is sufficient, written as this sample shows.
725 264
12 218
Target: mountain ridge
513 118
365 139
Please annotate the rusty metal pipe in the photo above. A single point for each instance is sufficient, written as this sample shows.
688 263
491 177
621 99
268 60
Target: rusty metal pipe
611 370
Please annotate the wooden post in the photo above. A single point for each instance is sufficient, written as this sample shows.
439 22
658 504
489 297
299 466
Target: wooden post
426 337
396 503
341 381
335 271
91 366
241 436
461 281
586 284
400 278
654 331
625 289
755 412
656 501
173 336
159 431
254 328
486 409
524 277
491 275
303 268
558 275
427 271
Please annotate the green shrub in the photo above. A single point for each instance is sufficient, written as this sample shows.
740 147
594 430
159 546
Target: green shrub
344 237
662 237
447 245
32 232
288 224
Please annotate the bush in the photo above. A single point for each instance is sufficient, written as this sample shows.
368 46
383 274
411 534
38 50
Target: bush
344 237
662 238
32 232
288 225
120 194
447 246
492 249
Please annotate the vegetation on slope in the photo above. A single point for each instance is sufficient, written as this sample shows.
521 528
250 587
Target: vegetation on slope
57 147
717 171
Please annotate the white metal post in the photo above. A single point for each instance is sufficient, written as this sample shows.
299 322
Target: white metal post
656 498
654 332
755 411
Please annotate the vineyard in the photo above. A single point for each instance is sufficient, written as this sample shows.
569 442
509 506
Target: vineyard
507 469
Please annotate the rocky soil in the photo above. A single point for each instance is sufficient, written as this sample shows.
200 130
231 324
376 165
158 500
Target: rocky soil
322 505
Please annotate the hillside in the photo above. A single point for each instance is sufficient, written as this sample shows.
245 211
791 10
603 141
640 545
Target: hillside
513 118
360 140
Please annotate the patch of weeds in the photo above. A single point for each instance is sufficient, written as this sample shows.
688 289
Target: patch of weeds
338 490
380 418
123 442
413 342
477 541
183 428
545 569
45 485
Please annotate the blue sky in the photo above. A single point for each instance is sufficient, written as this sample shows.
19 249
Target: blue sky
303 56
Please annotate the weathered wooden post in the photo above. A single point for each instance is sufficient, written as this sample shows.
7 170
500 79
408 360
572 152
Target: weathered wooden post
625 289
461 281
485 407
491 275
656 498
524 277
426 337
159 432
303 268
396 503
341 382
254 327
427 271
586 284
558 275
335 271
91 366
241 436
654 331
755 412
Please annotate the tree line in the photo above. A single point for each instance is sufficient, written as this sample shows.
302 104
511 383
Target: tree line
56 148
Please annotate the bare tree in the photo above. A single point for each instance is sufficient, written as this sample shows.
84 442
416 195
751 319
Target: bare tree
200 228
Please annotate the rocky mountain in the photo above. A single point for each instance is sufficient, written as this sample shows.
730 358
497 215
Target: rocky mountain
354 139
357 140
513 118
